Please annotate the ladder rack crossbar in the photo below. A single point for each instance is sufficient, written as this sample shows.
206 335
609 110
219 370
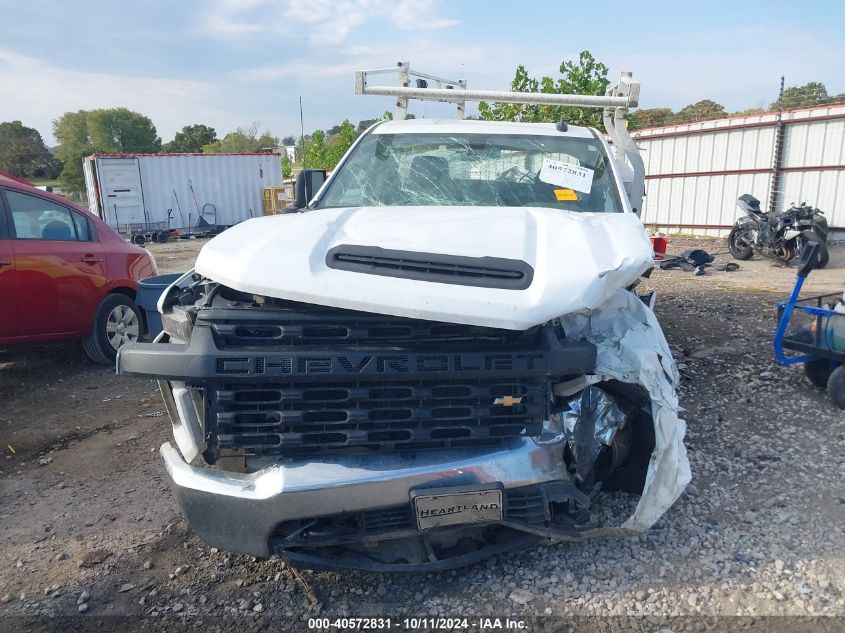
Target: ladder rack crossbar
460 94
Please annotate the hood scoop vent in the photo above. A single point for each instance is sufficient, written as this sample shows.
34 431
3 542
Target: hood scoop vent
482 272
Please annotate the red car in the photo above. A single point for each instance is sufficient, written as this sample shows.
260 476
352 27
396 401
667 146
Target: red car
65 274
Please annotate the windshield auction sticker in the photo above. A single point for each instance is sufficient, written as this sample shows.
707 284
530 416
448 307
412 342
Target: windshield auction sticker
564 195
556 172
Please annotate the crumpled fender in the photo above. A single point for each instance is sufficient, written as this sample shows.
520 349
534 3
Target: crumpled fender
631 348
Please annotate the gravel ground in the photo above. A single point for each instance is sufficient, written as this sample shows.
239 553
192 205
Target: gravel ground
89 527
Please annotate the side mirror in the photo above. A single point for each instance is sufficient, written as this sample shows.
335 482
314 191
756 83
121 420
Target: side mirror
308 182
809 258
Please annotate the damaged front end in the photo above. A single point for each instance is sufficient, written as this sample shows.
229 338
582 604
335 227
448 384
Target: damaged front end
338 438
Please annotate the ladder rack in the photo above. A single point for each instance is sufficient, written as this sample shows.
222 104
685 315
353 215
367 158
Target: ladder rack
615 103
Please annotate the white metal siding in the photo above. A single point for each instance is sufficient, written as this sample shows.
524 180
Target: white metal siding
691 169
91 186
122 198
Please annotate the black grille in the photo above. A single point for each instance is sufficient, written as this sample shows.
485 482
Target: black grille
286 323
293 380
526 505
296 419
486 272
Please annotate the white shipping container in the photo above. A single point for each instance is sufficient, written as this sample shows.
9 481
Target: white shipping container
154 189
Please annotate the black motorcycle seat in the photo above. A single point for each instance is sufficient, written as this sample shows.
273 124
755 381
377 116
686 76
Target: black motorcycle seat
749 203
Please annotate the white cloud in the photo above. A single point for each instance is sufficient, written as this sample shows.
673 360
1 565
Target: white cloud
299 69
419 14
40 92
320 22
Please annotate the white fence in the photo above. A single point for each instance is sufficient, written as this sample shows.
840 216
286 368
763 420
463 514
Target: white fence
696 171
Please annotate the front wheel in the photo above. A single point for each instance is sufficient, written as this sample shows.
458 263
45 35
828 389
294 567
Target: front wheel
818 372
738 247
117 321
836 386
823 258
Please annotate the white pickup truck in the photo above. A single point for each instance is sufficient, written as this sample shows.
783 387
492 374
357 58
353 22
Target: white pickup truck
439 357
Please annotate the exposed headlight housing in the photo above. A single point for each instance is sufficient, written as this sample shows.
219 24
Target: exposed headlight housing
178 324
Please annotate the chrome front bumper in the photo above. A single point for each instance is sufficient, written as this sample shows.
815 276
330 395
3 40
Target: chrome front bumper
239 512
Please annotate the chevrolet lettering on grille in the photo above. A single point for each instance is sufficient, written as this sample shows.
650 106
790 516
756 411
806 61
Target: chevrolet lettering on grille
378 364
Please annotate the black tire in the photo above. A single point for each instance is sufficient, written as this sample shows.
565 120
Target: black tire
741 252
163 236
139 239
99 344
824 256
818 372
836 386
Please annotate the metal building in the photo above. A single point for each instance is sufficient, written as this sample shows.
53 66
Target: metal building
135 189
696 171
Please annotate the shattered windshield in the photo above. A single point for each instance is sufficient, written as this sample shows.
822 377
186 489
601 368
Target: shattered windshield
474 170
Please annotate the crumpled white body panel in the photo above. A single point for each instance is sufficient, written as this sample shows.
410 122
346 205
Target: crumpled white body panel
631 348
579 260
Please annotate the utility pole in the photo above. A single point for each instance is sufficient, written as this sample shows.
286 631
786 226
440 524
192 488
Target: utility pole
302 132
777 153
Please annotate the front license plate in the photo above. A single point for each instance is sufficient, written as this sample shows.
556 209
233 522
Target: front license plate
455 508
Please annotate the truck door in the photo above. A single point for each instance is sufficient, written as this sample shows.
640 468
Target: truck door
8 295
120 191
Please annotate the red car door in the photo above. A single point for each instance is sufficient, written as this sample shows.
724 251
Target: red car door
60 266
8 298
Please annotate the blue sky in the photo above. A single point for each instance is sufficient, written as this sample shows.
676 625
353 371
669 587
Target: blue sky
229 63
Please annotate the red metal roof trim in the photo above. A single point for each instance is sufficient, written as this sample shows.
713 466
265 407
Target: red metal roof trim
185 154
771 119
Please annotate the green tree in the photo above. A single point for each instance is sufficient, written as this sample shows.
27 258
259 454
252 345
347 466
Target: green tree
300 149
287 168
191 138
522 82
584 77
704 110
810 94
364 124
288 141
118 130
71 131
23 153
338 145
315 151
243 140
649 117
109 131
748 111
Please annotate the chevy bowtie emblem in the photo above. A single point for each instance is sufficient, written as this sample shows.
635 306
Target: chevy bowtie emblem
508 401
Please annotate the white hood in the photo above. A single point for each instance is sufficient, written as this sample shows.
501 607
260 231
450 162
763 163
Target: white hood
579 260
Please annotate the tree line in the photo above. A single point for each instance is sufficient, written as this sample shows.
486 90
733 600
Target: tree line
119 130
23 152
589 77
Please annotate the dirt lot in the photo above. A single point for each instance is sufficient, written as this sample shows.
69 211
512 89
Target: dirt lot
87 518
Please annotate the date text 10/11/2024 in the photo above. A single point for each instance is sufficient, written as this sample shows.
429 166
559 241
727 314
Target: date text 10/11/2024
411 624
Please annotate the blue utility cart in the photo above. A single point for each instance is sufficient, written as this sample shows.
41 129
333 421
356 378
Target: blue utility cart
811 331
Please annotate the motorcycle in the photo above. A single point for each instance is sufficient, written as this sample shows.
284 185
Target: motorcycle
779 234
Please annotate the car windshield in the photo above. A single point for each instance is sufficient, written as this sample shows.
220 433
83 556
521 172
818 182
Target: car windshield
475 170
